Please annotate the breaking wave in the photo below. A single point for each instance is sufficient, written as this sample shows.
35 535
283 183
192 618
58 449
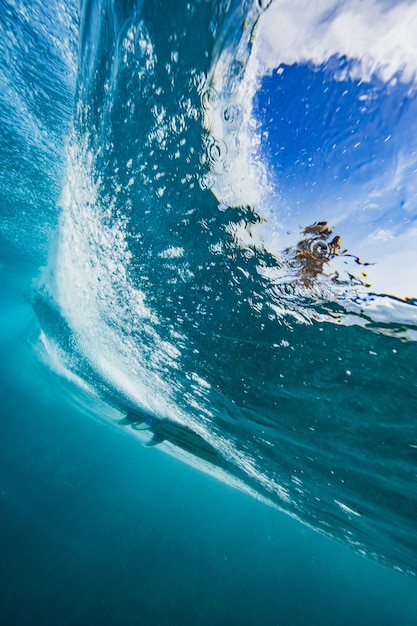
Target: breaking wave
234 256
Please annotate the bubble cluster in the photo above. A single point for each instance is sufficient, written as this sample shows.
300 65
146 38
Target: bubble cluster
231 114
209 98
216 150
207 180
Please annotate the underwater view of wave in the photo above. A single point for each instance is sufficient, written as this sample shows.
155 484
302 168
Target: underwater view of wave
232 263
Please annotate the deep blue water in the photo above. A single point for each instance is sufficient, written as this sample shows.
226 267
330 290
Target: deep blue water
165 257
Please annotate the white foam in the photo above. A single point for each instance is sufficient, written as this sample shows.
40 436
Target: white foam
116 331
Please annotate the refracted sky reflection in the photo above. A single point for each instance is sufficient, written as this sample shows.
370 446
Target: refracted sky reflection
337 125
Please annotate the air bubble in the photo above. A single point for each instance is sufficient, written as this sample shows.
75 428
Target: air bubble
216 151
319 248
262 5
231 114
209 98
207 181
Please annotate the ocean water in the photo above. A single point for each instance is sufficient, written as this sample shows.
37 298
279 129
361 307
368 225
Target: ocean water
209 312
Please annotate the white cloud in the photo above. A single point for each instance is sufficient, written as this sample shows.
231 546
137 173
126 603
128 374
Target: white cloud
379 37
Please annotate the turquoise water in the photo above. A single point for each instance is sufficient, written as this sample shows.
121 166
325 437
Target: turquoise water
170 199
